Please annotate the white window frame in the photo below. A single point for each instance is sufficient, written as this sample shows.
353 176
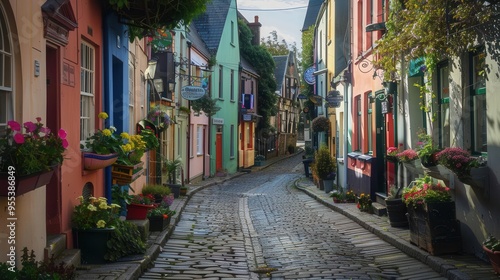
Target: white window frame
87 90
6 72
131 95
199 140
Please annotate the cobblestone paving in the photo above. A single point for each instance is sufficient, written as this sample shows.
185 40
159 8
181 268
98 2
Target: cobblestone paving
258 226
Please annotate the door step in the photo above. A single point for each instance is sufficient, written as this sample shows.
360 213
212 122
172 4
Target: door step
56 247
379 209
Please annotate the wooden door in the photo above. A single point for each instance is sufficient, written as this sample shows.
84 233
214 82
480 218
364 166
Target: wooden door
218 151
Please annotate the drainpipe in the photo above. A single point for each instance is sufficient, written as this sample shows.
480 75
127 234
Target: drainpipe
188 155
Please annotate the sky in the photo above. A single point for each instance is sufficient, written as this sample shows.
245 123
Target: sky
284 16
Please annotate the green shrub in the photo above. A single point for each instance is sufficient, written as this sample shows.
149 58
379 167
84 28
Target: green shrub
156 190
324 163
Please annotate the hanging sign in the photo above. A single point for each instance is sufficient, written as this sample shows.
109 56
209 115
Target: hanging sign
192 92
308 75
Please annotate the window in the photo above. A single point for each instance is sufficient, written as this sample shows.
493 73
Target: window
87 90
232 85
192 141
478 103
444 104
231 149
358 123
221 84
6 65
131 95
199 140
232 32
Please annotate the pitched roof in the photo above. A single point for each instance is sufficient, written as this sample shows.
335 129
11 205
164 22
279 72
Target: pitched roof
198 43
210 24
248 67
312 13
281 62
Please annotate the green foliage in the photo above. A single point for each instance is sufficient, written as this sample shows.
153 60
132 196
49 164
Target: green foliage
205 104
37 270
307 61
492 243
274 46
263 62
161 211
171 166
424 191
125 240
94 213
145 17
434 29
324 163
156 190
426 149
151 140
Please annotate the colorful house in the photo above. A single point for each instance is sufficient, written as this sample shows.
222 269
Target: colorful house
218 28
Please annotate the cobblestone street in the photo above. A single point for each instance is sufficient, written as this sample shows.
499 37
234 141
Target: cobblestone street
259 226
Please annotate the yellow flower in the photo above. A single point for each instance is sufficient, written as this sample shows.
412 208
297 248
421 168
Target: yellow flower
101 224
106 132
80 198
114 205
102 199
124 135
103 115
91 207
103 205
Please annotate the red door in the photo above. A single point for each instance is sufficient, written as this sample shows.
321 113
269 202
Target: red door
53 121
218 152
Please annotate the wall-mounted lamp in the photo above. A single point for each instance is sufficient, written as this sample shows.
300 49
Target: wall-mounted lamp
378 72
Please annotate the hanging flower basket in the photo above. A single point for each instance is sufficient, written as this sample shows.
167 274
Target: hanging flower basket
126 174
159 118
23 184
320 124
414 166
93 161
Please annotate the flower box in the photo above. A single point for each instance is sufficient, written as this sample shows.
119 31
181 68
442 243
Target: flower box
414 166
259 163
494 259
434 227
23 184
437 171
126 174
93 161
478 178
158 223
138 211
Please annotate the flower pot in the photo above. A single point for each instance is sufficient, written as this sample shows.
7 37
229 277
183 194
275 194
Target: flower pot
92 161
328 185
414 166
396 210
176 189
494 259
434 227
259 163
126 174
23 184
92 244
138 211
183 191
158 223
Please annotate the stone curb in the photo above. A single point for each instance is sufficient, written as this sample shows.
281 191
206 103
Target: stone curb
439 265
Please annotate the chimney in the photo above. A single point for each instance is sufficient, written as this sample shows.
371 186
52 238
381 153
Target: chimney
255 27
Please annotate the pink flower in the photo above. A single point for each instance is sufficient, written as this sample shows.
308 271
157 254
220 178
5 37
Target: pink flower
62 134
45 130
38 119
30 126
65 143
19 138
14 125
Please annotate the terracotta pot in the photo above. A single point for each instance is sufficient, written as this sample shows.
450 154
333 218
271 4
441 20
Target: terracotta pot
494 259
138 211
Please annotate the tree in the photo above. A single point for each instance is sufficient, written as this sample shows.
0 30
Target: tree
263 62
435 29
146 16
308 61
275 47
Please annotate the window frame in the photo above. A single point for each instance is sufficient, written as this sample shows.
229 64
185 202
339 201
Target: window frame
476 91
88 95
443 101
6 76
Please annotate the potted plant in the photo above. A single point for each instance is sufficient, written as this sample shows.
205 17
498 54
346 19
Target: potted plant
171 167
157 191
469 170
260 160
205 104
492 248
139 206
410 160
160 217
391 154
29 157
396 208
320 124
160 118
94 221
183 190
129 165
364 203
101 148
431 216
325 167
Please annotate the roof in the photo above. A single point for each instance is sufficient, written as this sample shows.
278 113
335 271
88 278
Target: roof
312 13
198 43
210 24
248 67
279 72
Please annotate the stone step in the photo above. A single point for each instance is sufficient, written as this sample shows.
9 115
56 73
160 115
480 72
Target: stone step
70 257
56 244
379 209
143 227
